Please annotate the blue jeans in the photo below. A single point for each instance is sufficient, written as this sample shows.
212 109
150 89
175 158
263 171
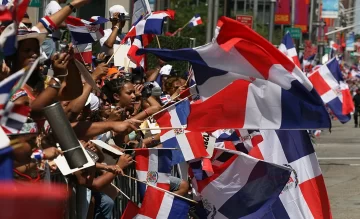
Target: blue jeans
103 206
49 47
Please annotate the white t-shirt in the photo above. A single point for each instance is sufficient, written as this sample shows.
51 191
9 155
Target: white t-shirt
51 9
107 33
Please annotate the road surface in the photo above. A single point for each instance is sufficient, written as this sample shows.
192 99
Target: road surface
339 156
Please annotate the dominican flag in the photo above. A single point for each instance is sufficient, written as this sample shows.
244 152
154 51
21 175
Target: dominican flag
247 83
287 47
238 140
8 40
309 63
333 48
152 24
5 14
130 211
258 185
159 204
190 144
139 42
304 195
95 20
6 164
196 20
154 167
83 31
83 52
334 94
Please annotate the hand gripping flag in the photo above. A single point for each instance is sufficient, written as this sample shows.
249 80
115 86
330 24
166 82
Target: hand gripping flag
154 167
159 205
330 90
287 47
247 83
196 20
304 195
191 144
242 187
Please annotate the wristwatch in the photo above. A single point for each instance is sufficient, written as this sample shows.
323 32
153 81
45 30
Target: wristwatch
73 9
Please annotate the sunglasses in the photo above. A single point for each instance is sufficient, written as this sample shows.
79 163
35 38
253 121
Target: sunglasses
28 25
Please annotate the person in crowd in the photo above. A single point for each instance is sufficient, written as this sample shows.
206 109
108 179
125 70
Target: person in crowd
50 44
356 100
113 36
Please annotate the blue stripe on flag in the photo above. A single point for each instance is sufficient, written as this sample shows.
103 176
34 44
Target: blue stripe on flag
287 41
179 209
265 177
336 107
153 26
334 68
295 143
183 111
177 156
6 164
277 211
164 161
81 38
296 108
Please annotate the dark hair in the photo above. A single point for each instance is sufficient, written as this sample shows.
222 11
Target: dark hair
26 15
113 87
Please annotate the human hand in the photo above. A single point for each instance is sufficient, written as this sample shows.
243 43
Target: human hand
124 161
138 89
114 169
127 126
59 63
79 3
101 56
51 153
5 71
100 71
116 114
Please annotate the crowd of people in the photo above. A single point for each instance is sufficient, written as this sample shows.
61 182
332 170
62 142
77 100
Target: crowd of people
112 113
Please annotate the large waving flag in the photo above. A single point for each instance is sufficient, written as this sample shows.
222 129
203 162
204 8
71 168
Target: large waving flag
248 84
154 167
152 24
337 96
83 31
258 185
287 47
304 195
158 204
196 20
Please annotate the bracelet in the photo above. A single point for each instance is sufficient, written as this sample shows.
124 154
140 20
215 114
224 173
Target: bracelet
147 114
55 86
117 27
72 7
57 80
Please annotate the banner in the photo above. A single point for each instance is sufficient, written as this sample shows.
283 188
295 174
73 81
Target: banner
350 42
330 9
302 15
282 12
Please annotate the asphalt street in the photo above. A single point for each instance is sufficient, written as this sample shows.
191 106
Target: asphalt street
339 156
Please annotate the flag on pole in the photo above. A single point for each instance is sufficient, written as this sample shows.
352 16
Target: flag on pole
258 185
331 91
83 31
287 47
304 195
196 20
158 204
271 91
154 167
191 144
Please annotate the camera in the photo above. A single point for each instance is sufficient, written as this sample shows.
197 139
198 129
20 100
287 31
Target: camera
150 89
